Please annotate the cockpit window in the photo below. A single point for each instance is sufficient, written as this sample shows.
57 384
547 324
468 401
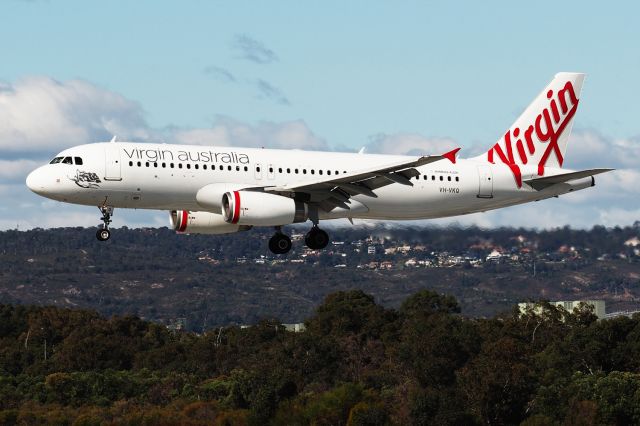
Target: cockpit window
67 160
78 161
56 160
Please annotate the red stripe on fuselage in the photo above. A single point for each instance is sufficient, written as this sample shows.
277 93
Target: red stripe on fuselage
236 207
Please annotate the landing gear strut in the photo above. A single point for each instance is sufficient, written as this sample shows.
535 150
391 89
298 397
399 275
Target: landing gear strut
279 243
316 238
104 234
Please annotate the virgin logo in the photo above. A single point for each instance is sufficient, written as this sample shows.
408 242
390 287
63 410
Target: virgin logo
543 133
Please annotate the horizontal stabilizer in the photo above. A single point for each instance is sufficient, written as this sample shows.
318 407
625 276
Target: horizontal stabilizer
545 181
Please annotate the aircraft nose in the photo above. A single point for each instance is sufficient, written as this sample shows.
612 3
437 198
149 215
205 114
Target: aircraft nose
35 181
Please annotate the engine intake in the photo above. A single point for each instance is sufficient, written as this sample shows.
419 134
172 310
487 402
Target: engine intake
262 209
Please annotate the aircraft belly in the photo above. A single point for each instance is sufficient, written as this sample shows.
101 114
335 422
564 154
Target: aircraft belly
424 200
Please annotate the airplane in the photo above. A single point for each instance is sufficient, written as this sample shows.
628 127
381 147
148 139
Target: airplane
219 190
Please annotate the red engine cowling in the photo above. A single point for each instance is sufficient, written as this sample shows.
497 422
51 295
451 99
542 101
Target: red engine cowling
183 221
262 209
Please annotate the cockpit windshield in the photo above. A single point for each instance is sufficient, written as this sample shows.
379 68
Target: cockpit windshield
67 160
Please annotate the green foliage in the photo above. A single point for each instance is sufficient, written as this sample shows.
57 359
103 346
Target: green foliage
358 363
368 414
426 302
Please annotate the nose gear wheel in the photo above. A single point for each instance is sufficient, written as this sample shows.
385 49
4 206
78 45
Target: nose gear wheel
104 234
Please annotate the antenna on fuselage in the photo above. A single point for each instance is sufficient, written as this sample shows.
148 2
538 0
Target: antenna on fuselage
113 139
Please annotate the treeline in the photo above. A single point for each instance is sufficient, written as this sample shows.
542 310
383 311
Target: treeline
152 246
357 363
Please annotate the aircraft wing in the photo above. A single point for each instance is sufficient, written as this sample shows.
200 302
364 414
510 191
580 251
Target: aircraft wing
330 192
545 181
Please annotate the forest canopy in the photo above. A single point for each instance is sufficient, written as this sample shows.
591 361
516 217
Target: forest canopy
357 363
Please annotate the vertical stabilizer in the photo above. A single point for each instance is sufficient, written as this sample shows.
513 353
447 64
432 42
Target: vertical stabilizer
541 134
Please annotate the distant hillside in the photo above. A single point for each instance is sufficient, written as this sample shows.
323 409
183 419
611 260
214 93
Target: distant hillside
234 279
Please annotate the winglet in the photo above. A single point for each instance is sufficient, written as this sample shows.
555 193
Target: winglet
451 155
113 139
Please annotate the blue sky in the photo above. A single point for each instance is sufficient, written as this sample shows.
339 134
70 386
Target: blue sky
326 75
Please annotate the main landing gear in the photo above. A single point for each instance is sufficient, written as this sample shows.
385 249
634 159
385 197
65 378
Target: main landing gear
279 243
104 234
316 239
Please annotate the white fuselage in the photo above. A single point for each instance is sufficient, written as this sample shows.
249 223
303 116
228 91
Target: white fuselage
168 177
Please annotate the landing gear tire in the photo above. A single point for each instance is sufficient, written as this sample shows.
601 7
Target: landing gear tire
316 239
280 243
103 234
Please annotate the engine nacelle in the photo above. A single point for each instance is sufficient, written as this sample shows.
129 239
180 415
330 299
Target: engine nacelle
209 197
262 209
183 221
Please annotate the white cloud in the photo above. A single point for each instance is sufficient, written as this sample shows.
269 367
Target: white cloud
409 143
27 210
17 170
588 148
229 132
41 113
616 216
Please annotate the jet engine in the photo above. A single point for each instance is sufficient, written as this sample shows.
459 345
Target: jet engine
262 209
183 221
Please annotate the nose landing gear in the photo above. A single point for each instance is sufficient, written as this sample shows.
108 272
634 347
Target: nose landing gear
104 234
